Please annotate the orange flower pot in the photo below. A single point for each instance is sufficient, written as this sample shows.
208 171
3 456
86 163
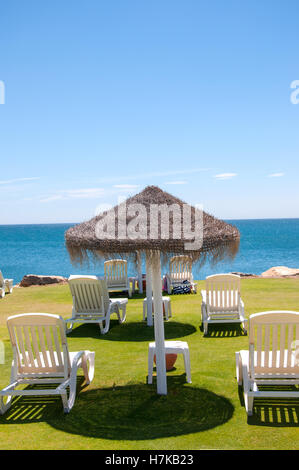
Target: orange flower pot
170 360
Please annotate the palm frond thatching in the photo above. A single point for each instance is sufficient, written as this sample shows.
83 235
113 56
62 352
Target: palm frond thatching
220 239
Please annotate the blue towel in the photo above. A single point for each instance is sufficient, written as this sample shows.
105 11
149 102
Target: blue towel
184 288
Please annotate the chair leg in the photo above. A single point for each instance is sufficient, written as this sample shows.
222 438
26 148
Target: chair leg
165 308
248 399
150 365
88 372
169 310
9 286
71 383
123 309
105 329
4 406
239 368
68 329
65 404
247 387
203 319
186 355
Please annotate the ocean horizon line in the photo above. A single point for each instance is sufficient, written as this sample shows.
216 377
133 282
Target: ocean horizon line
40 248
74 223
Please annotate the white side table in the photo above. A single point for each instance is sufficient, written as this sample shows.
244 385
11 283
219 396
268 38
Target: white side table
166 307
134 281
171 347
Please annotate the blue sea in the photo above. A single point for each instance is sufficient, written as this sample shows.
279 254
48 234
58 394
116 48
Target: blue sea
40 249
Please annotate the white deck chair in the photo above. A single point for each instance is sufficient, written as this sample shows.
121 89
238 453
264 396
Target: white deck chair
41 356
180 270
221 301
5 284
116 276
91 303
272 359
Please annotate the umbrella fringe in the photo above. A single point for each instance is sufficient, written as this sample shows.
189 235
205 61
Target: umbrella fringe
80 256
217 239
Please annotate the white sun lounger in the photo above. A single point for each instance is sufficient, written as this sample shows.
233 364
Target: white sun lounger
91 303
5 284
180 270
116 276
41 356
272 358
221 301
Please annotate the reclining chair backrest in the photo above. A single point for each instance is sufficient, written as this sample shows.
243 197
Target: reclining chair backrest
180 268
223 293
274 343
89 294
39 344
115 272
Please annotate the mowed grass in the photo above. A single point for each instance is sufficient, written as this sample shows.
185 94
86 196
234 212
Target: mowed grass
119 411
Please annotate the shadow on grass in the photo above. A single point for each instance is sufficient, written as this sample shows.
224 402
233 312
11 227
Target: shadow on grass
278 412
131 412
137 295
132 331
224 330
283 414
35 408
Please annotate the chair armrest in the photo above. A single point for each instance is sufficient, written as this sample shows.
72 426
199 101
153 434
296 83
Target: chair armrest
119 301
77 358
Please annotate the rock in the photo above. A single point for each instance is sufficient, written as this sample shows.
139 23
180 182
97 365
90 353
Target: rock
280 271
246 275
38 280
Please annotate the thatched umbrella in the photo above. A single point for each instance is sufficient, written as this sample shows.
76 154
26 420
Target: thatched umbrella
153 222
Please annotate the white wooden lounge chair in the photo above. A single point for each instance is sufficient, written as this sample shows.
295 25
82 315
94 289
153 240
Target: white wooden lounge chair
272 359
91 303
221 301
180 270
5 284
41 356
116 277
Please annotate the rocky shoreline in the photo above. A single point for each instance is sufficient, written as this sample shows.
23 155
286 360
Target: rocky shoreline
274 272
279 272
39 280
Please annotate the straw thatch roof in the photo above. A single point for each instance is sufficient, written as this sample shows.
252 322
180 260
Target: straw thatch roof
220 239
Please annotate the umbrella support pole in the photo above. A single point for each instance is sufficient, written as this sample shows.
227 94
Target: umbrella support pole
159 324
149 290
139 264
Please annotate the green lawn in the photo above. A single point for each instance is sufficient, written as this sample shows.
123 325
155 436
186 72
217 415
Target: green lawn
120 411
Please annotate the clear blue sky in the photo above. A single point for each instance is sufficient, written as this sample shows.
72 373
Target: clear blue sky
105 97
